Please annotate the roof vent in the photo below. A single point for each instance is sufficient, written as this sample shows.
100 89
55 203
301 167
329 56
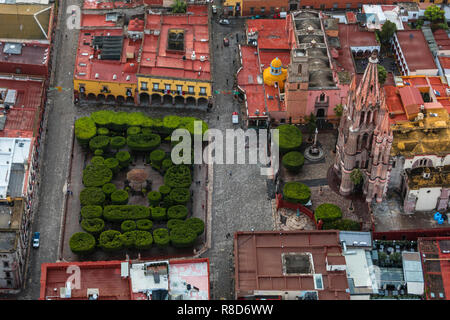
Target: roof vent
193 55
128 78
96 76
202 58
114 76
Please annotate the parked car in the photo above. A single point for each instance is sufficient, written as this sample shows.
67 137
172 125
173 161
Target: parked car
36 237
235 118
214 9
225 22
226 42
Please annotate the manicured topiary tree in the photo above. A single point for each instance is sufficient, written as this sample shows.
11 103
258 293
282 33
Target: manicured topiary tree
144 224
136 119
119 197
85 130
196 224
128 225
157 125
103 131
133 130
161 237
108 189
290 138
96 160
154 197
102 118
124 158
296 192
128 239
112 164
342 224
92 196
143 142
96 175
178 177
94 225
173 223
170 123
180 195
144 240
99 142
188 123
98 152
110 240
158 214
156 158
182 236
117 142
90 212
293 161
82 243
164 190
177 212
327 212
119 121
118 213
166 164
146 130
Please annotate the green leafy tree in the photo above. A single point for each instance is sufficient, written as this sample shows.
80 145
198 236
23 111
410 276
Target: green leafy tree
434 13
382 74
339 109
387 31
179 6
356 177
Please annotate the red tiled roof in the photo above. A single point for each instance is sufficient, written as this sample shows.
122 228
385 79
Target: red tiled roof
442 39
95 4
410 95
96 20
445 62
351 17
33 60
272 33
415 50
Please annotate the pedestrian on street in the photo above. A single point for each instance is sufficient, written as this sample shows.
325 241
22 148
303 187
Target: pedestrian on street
203 206
227 81
231 173
217 117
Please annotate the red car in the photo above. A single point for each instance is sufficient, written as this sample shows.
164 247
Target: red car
226 42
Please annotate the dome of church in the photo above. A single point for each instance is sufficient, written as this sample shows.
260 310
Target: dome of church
275 74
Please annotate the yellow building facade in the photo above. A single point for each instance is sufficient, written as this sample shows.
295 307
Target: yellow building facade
99 89
229 6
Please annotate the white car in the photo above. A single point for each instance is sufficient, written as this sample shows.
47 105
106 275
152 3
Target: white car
224 22
214 9
235 118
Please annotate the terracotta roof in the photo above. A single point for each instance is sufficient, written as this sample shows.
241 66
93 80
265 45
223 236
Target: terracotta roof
415 50
272 33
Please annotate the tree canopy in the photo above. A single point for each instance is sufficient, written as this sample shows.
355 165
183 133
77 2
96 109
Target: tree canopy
434 13
387 31
382 74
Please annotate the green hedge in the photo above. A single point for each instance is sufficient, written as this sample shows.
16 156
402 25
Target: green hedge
177 212
94 225
128 225
109 188
166 164
182 236
98 152
119 121
180 195
290 138
90 212
342 224
154 197
161 237
136 119
144 224
97 160
119 197
146 131
173 223
144 240
164 190
143 142
112 164
110 240
102 118
92 196
178 177
85 130
99 142
156 157
118 142
196 224
124 158
118 213
327 212
82 243
128 239
159 213
293 161
103 131
96 175
188 124
170 123
133 130
296 192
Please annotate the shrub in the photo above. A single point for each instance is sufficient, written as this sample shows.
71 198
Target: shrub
143 142
173 223
164 190
85 130
117 213
178 176
153 198
177 212
128 225
90 212
103 131
108 189
102 118
135 119
119 121
157 125
94 225
296 192
293 161
110 240
98 152
159 213
166 164
180 195
146 130
92 196
182 236
161 237
124 158
99 142
170 123
96 175
96 160
133 130
342 224
144 240
112 164
156 157
327 212
128 239
119 197
196 224
82 243
290 138
118 142
188 124
144 224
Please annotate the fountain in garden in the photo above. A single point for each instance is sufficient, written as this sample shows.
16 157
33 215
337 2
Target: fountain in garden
314 152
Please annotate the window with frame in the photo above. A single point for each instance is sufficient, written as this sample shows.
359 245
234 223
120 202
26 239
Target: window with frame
8 283
191 89
179 88
5 264
322 7
8 274
252 10
272 10
167 86
203 91
155 86
105 89
263 9
144 86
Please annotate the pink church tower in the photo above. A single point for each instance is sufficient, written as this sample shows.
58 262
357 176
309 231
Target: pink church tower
365 139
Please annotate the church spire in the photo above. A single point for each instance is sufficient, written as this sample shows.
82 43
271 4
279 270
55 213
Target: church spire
368 91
